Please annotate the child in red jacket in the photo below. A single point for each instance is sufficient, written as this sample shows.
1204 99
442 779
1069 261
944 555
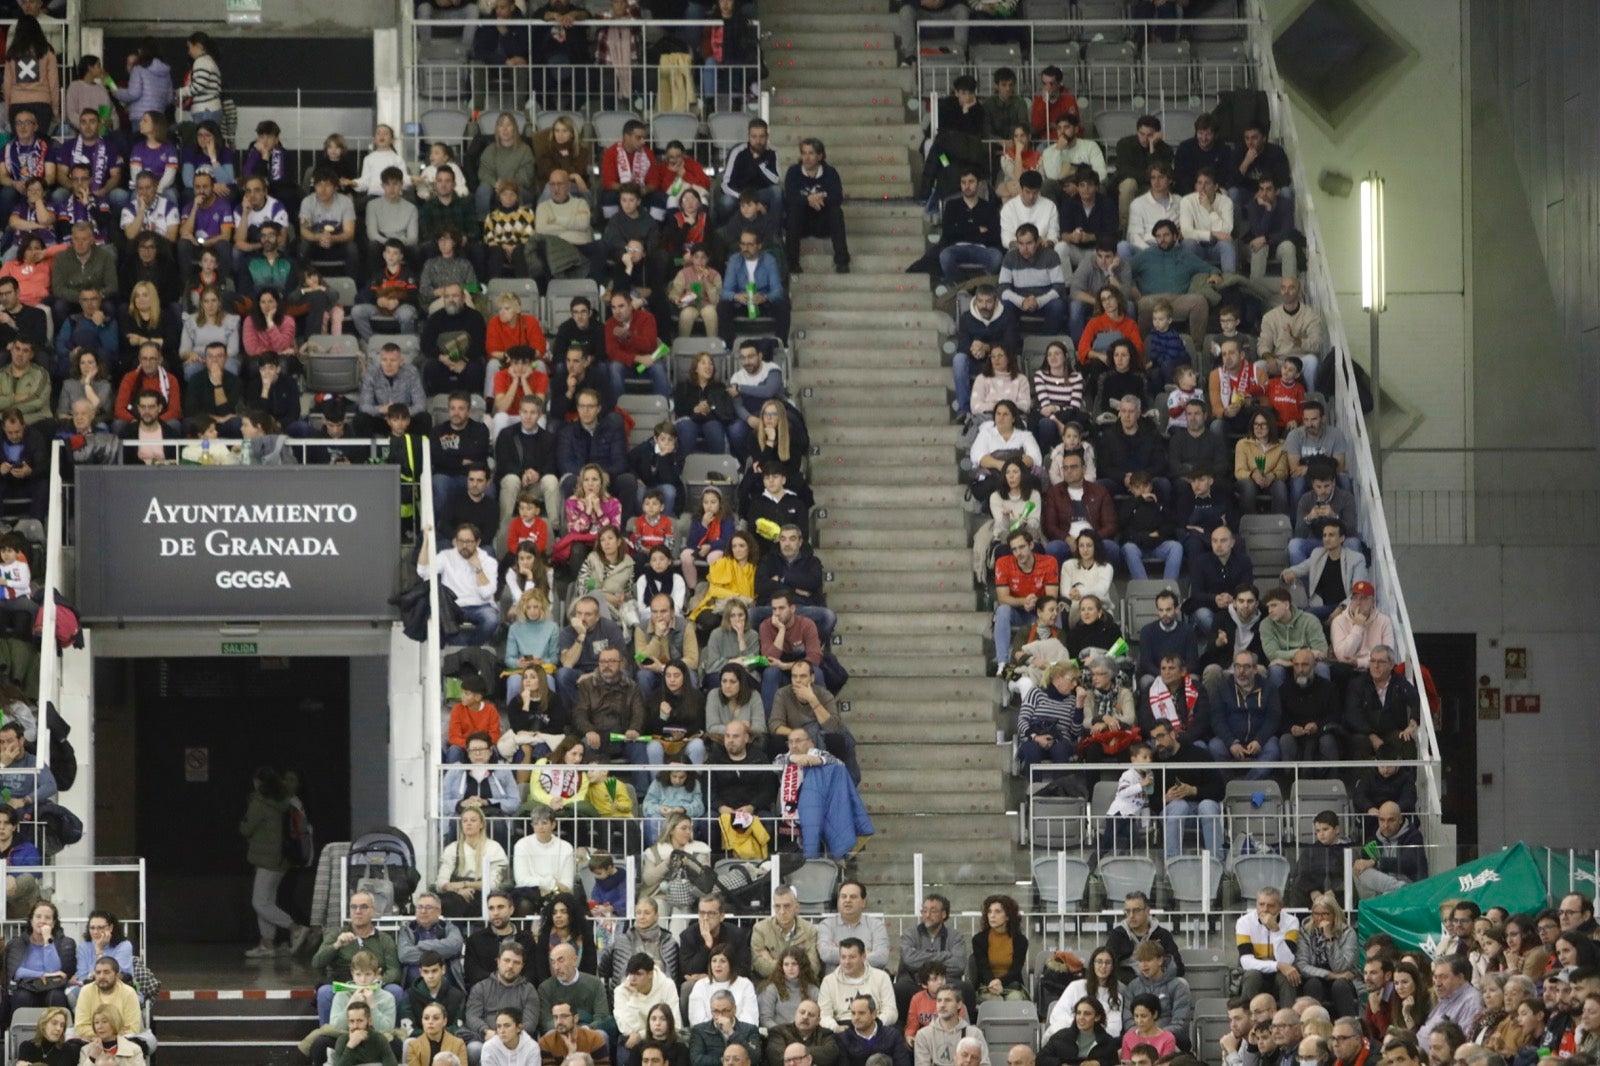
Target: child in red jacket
1287 394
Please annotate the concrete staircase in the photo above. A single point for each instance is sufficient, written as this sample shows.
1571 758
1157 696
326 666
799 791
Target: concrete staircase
253 1027
890 528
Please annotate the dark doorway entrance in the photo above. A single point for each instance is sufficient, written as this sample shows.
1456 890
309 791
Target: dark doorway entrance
1452 658
203 727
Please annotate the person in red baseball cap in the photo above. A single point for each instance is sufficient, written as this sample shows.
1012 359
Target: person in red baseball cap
1359 626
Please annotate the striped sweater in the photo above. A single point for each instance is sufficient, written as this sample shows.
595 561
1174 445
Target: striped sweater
1047 711
1040 277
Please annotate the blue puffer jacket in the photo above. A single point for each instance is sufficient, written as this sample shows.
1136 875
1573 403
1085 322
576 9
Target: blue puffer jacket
831 813
149 89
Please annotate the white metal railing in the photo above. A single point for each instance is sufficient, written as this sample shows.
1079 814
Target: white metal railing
1320 291
460 84
135 927
1177 78
433 655
1255 817
49 648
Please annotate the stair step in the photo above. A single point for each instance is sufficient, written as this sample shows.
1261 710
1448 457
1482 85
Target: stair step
931 800
288 1028
860 452
829 282
917 665
969 853
805 47
931 537
933 516
841 96
818 339
886 225
847 358
886 111
898 715
807 300
870 648
892 496
957 581
873 377
230 1052
826 397
902 79
968 623
975 827
828 7
868 691
906 600
908 779
787 21
927 414
847 475
877 179
930 434
919 560
957 734
881 324
870 244
901 209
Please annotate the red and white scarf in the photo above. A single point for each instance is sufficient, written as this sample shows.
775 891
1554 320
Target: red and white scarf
1165 708
1240 381
789 800
632 167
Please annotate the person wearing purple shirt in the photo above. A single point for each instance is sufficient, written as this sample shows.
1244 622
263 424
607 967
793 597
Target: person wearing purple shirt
208 155
208 223
26 156
82 205
157 155
101 156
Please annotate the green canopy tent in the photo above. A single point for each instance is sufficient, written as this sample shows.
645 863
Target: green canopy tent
1518 878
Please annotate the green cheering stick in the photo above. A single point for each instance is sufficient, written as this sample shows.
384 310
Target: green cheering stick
662 351
1027 510
750 310
622 738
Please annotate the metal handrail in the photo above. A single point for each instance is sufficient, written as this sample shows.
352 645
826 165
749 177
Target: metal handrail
1348 414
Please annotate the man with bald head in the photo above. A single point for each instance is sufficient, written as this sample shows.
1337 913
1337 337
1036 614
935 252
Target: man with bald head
1399 858
566 217
807 1035
1020 1055
585 993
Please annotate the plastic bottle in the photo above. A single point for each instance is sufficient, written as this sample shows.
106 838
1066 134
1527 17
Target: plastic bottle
205 451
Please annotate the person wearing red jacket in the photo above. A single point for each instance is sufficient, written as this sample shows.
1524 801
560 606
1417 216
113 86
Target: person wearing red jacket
1076 502
1052 103
674 172
631 344
629 160
149 376
473 714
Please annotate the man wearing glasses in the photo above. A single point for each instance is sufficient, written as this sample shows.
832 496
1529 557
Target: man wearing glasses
1350 1048
430 932
1138 925
1267 937
339 946
1576 914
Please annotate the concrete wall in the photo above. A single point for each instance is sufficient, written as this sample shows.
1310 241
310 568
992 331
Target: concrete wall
1413 137
1491 161
1541 769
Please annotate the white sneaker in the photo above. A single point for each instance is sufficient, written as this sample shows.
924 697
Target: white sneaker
262 951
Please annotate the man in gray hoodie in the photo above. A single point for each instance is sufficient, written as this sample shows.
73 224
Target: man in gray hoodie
1177 1009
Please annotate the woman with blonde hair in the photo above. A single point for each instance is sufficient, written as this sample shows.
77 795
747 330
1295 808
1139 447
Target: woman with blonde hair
590 507
210 323
472 864
49 1046
108 1048
1326 957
